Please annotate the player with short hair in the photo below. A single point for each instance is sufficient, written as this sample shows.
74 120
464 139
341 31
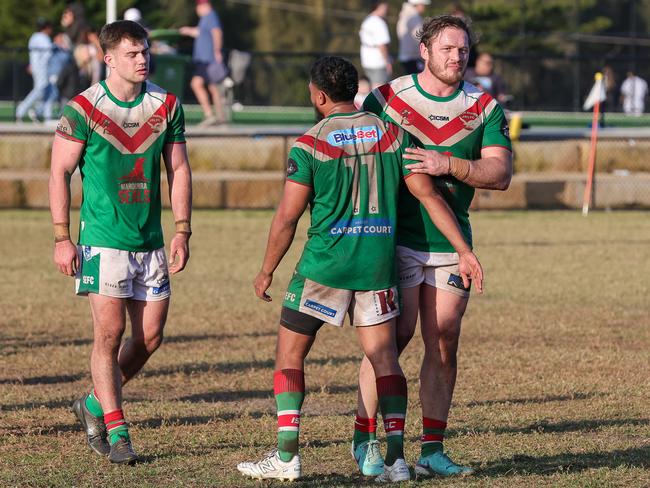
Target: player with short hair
348 168
463 142
115 133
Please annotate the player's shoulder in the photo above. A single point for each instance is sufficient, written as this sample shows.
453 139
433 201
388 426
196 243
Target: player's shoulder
159 92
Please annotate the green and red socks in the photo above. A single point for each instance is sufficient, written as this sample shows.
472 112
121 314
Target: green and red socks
289 390
364 430
93 405
433 434
392 392
116 426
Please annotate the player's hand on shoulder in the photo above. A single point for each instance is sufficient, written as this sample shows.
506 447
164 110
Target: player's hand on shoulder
262 283
66 257
427 161
471 270
179 252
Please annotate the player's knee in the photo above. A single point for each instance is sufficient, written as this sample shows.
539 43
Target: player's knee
153 342
109 338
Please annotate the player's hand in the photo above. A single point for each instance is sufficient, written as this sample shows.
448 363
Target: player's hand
179 252
427 161
262 283
470 270
66 257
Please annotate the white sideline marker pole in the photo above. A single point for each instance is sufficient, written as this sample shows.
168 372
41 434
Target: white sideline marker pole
598 88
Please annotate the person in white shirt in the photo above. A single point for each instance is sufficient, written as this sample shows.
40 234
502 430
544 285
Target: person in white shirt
633 93
375 40
40 51
408 24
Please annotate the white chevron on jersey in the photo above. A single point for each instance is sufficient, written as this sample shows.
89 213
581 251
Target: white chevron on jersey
129 130
435 123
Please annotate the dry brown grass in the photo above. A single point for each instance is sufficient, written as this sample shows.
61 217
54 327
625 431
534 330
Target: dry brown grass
553 387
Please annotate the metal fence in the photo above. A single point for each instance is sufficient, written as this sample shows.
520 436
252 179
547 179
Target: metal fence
279 78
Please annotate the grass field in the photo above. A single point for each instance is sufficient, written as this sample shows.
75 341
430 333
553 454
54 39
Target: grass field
553 385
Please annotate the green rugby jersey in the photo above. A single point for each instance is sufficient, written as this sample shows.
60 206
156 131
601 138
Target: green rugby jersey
459 125
120 163
353 162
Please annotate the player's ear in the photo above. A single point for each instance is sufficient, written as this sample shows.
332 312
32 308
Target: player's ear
424 52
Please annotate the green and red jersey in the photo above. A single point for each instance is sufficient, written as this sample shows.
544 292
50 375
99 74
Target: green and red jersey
353 162
459 125
120 164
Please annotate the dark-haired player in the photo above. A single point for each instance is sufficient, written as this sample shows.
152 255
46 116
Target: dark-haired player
463 142
348 168
115 133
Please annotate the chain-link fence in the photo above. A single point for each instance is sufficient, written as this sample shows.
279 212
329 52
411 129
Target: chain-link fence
244 168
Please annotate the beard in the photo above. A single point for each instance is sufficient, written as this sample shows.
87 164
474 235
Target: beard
443 75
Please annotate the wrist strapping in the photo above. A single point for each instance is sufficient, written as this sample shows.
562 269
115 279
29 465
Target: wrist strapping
183 227
459 168
61 231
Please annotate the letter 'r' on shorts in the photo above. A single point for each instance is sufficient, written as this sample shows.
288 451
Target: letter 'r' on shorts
123 274
436 269
331 304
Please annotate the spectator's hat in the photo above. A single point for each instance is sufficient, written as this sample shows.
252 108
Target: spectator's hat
42 23
419 2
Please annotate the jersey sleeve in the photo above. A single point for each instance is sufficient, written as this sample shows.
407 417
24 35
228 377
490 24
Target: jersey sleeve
496 131
300 167
406 141
73 124
176 129
372 104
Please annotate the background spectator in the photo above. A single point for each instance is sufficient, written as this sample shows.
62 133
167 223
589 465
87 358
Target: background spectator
375 40
61 56
633 92
408 23
484 77
40 50
209 68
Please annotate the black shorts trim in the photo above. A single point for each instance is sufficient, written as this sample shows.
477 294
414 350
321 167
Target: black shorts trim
300 322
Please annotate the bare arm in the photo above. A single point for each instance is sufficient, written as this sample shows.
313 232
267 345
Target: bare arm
179 177
386 54
493 171
283 229
65 158
189 31
217 41
421 186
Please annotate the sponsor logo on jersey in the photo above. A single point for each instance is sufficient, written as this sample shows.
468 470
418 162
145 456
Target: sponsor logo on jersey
134 186
456 281
470 119
406 117
505 128
88 253
385 301
155 122
342 137
438 118
64 126
330 312
363 227
106 125
130 125
157 290
292 167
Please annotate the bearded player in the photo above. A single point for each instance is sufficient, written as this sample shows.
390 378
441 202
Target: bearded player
348 168
463 142
115 133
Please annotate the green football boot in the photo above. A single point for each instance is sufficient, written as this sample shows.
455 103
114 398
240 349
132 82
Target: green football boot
439 464
368 458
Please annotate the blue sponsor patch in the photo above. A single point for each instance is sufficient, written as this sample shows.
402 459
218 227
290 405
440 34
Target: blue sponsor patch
457 282
363 227
157 290
87 253
330 312
341 137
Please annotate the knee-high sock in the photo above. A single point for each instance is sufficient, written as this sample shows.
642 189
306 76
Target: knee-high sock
289 390
392 393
